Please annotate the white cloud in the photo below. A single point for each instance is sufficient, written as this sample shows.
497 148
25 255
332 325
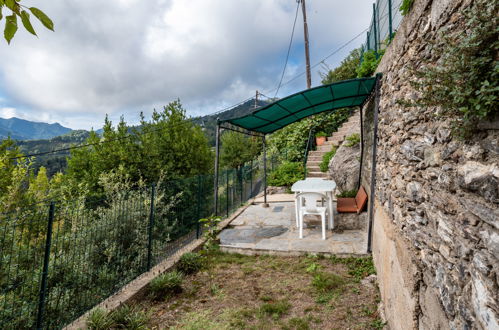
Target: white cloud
8 112
126 56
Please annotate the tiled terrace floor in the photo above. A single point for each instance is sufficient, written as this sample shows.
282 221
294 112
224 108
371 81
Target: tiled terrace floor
273 230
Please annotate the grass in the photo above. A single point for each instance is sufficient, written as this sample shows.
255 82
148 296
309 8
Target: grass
353 140
233 291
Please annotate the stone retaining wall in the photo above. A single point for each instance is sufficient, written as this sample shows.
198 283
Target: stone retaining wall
436 223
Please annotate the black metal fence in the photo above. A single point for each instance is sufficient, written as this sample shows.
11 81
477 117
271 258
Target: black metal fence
384 23
59 259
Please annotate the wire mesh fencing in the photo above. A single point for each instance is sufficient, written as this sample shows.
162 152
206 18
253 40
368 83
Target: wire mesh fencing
59 259
385 21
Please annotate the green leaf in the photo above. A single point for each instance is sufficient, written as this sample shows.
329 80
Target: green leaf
12 5
46 21
1 15
26 22
10 27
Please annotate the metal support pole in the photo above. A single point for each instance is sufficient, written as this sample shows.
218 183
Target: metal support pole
217 156
375 31
265 204
241 192
198 225
227 192
45 272
149 229
361 147
251 179
390 20
373 165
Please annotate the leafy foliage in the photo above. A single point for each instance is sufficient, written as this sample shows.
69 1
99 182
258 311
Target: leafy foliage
324 165
346 70
210 225
320 134
125 317
348 193
353 140
369 63
169 146
463 83
237 149
190 263
290 142
167 284
286 174
405 6
21 11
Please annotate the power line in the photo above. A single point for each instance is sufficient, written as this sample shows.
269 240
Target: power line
289 49
124 137
322 60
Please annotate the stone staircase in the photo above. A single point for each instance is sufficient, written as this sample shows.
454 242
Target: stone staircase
352 125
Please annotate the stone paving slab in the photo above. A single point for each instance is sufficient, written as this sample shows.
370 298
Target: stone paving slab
273 230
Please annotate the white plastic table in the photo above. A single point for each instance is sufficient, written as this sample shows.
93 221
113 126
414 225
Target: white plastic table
326 187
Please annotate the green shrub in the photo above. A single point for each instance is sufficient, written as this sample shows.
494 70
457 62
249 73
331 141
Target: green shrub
125 317
348 193
464 83
286 174
99 319
190 263
324 165
353 140
321 134
369 63
405 7
166 284
131 318
324 282
275 309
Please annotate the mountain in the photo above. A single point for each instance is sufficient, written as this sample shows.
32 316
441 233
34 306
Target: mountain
20 129
209 123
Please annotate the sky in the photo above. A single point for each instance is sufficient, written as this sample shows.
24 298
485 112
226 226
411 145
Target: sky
121 57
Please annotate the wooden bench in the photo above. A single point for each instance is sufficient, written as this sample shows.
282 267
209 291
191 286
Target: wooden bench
353 205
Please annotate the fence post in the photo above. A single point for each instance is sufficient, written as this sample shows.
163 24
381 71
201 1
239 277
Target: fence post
227 192
149 229
198 227
251 179
46 260
241 183
390 20
375 31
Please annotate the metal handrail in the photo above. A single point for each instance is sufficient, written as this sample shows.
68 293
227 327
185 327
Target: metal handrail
310 143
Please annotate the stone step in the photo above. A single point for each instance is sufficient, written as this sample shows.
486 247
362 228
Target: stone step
313 162
313 169
316 175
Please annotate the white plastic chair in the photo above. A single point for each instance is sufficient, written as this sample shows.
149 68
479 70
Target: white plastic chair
310 207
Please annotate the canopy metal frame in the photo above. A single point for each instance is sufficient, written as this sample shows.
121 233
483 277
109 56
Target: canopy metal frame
256 130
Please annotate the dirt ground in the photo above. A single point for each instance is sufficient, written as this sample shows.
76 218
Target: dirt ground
266 292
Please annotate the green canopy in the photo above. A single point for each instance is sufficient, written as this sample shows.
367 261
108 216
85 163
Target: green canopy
342 94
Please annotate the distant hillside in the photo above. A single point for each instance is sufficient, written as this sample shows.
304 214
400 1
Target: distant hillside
209 123
20 129
53 162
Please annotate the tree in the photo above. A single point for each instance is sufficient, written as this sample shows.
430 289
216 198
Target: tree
168 146
21 11
238 149
346 70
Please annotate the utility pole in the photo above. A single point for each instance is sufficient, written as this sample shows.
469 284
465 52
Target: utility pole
256 99
307 54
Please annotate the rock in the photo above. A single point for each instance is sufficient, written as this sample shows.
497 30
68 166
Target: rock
485 213
449 149
491 240
481 178
413 150
432 157
369 281
484 302
443 135
344 167
277 190
413 190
